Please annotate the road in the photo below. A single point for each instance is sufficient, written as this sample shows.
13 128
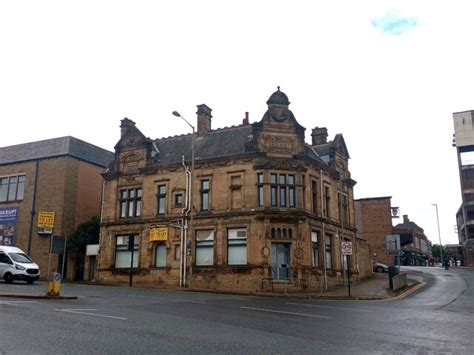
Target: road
437 318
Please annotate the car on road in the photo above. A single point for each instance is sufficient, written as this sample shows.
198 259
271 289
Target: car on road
379 267
16 265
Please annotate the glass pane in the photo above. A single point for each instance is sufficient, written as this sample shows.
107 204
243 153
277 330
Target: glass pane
139 208
291 196
260 196
161 205
160 257
130 208
123 259
12 189
282 179
273 179
273 196
139 192
314 237
123 209
204 255
3 189
21 188
205 184
205 201
291 179
132 193
162 190
205 235
237 254
260 178
282 196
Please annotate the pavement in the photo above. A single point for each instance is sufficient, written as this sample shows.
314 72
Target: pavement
373 288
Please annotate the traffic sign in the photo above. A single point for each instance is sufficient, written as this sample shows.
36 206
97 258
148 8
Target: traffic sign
346 248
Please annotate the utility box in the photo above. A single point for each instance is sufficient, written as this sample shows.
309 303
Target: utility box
392 271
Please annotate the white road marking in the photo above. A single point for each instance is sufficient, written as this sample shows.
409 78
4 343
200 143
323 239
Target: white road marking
82 311
284 312
333 307
16 303
200 302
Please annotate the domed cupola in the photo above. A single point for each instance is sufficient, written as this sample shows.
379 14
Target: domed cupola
278 98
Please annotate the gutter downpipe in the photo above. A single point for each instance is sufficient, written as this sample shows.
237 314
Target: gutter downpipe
184 226
101 238
323 231
33 205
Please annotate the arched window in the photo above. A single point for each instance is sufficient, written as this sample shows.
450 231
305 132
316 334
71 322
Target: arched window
160 255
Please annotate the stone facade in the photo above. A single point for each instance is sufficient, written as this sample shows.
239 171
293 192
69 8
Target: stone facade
266 206
56 180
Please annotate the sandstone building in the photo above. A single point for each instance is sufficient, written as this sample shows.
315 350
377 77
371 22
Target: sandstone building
266 206
60 175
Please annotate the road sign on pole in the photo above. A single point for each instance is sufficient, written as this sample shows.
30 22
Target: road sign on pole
346 248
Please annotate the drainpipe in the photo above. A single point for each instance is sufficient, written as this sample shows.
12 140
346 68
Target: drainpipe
96 276
323 232
33 205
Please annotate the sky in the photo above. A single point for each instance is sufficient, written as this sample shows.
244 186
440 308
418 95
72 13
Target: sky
386 74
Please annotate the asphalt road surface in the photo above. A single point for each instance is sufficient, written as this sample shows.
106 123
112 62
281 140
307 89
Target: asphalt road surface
438 318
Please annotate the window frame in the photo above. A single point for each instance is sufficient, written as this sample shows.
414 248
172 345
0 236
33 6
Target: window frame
328 251
130 206
314 249
12 188
234 243
123 250
207 243
164 258
205 195
260 190
161 199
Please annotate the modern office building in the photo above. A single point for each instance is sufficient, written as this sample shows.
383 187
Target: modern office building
57 180
464 143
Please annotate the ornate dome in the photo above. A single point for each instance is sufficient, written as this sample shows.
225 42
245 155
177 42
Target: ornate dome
278 98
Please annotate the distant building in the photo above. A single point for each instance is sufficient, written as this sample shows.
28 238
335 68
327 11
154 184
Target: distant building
416 247
373 217
374 222
266 206
464 143
60 176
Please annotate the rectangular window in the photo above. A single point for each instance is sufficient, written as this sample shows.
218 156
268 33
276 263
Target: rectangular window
205 248
260 190
345 209
283 190
130 202
314 196
178 200
161 199
12 188
328 251
273 189
327 200
204 195
314 249
123 256
237 246
291 191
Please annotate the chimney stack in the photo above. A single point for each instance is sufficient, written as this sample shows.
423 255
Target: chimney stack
245 121
319 135
405 218
203 119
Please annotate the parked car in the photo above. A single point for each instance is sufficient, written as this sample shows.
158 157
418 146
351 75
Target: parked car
379 267
16 265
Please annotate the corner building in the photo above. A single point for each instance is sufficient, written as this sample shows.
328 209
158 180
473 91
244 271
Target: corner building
268 208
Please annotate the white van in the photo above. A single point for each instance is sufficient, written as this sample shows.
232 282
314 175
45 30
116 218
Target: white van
16 265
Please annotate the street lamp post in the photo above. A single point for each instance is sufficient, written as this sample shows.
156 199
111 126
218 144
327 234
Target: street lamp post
191 197
439 233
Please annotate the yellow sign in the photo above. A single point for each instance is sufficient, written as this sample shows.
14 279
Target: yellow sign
158 233
46 220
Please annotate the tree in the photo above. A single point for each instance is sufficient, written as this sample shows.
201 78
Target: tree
86 233
436 251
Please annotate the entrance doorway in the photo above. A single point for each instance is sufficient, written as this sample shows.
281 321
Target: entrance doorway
281 263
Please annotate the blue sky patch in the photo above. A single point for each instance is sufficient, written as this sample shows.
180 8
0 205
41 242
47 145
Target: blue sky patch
394 24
